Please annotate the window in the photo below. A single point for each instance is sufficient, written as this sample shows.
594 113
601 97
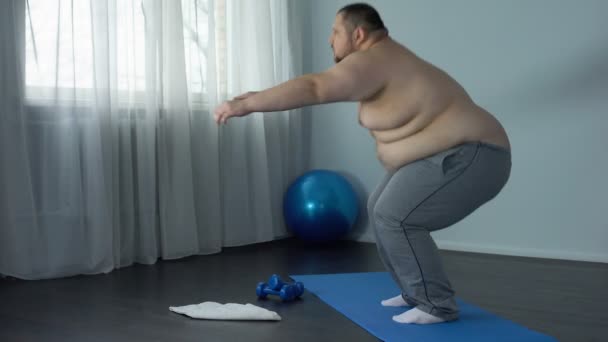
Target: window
69 41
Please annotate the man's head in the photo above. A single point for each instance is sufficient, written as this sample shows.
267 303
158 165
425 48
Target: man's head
355 24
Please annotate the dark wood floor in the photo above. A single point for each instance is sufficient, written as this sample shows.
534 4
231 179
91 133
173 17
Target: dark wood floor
567 300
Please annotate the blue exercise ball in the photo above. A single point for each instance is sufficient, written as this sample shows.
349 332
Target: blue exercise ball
320 206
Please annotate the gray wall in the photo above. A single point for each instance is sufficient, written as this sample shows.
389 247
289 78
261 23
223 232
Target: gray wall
542 68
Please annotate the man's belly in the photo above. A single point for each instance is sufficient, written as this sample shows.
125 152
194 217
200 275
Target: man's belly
423 137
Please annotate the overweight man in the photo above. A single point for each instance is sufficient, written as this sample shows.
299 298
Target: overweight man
444 155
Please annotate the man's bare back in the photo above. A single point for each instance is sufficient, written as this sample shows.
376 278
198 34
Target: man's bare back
420 110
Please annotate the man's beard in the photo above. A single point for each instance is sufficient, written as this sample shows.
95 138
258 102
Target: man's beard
339 59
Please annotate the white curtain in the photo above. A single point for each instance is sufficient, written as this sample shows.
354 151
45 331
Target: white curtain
109 154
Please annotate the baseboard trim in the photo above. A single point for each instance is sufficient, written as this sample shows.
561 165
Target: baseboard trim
524 252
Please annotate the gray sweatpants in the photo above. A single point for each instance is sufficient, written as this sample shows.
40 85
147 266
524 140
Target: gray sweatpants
424 196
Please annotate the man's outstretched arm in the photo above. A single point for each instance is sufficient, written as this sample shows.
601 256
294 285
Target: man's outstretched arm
353 79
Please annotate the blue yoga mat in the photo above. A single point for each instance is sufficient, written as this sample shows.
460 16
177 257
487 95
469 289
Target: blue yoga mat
358 296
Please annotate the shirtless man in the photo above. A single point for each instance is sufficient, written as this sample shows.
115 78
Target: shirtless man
445 156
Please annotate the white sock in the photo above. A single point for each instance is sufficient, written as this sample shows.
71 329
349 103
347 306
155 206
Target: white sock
395 301
415 316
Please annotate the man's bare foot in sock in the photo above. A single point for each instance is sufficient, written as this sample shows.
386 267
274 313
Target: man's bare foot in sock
415 316
395 301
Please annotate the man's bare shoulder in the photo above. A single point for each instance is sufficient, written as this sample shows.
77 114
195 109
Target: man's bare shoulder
364 57
386 55
368 62
356 77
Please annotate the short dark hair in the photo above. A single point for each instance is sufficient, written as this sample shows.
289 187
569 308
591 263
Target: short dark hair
363 15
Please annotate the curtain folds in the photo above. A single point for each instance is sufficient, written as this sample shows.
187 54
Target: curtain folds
109 155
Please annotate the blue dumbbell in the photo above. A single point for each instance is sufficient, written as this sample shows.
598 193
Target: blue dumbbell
275 283
287 292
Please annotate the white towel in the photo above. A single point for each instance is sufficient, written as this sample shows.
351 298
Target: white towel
230 311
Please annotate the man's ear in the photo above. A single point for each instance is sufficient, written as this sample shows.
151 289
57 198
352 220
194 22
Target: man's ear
359 35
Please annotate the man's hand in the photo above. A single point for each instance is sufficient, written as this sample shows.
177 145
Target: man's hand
236 107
